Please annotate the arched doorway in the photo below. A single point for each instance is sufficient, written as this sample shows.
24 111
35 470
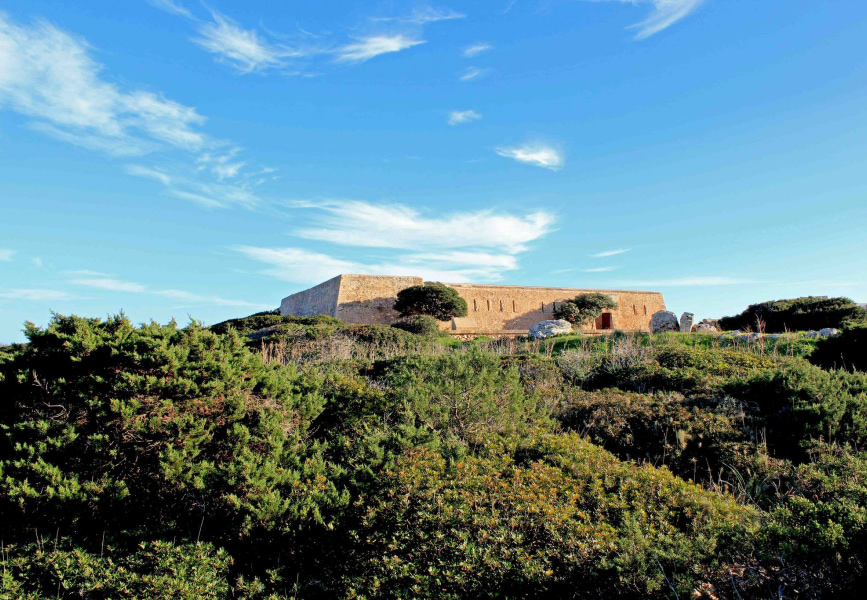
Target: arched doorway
603 321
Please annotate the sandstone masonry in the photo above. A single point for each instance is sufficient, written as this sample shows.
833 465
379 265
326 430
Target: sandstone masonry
493 309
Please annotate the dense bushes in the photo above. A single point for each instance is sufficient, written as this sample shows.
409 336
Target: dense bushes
797 314
419 324
328 460
848 350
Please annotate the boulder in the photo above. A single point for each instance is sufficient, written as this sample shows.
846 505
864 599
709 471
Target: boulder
686 320
706 326
545 329
664 320
828 332
811 334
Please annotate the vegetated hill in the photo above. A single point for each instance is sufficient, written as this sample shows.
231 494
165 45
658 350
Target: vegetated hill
797 314
315 459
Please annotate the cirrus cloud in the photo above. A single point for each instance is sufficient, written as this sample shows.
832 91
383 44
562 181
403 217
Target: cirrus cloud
536 154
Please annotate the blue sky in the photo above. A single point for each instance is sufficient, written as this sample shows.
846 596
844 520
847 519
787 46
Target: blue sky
179 158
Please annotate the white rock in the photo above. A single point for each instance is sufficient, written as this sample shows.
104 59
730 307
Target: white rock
828 332
664 320
544 329
811 334
686 320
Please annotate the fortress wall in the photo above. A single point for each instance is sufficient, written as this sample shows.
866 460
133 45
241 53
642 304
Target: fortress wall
504 308
318 300
369 299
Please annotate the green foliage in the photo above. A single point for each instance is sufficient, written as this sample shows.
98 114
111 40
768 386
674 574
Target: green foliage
585 308
797 314
552 517
269 457
433 299
848 350
153 570
156 431
419 325
270 319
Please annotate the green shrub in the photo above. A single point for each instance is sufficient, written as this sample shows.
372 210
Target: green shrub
559 518
797 314
262 320
584 308
848 350
155 430
433 299
419 325
152 571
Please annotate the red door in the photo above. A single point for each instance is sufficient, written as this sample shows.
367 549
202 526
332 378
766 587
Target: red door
603 321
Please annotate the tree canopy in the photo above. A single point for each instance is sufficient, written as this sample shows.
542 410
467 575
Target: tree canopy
585 308
796 314
434 299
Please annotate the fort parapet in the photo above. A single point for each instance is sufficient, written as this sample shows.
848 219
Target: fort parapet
492 309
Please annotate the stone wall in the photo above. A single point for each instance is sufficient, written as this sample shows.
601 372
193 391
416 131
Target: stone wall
492 308
318 300
370 298
516 308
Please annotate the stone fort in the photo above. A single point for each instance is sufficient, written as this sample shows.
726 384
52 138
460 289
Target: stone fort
492 309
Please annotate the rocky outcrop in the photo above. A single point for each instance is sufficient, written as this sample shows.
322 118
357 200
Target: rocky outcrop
686 320
826 332
664 320
545 329
706 326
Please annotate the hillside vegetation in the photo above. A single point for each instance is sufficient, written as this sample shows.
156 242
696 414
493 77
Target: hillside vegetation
285 457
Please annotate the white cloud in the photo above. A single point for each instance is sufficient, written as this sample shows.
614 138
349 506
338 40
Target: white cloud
369 47
610 253
49 76
472 73
457 117
664 14
171 6
6 255
106 282
701 281
35 295
150 173
539 155
302 266
37 262
429 14
356 223
476 49
244 49
599 270
110 284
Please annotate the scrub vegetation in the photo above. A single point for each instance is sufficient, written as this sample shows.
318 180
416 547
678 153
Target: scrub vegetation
285 457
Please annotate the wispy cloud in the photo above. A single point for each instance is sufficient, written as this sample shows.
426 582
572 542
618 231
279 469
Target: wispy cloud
599 269
467 246
610 253
538 154
664 14
35 295
49 76
244 49
476 49
366 48
357 223
472 73
171 6
108 283
6 255
303 266
456 117
699 281
429 14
